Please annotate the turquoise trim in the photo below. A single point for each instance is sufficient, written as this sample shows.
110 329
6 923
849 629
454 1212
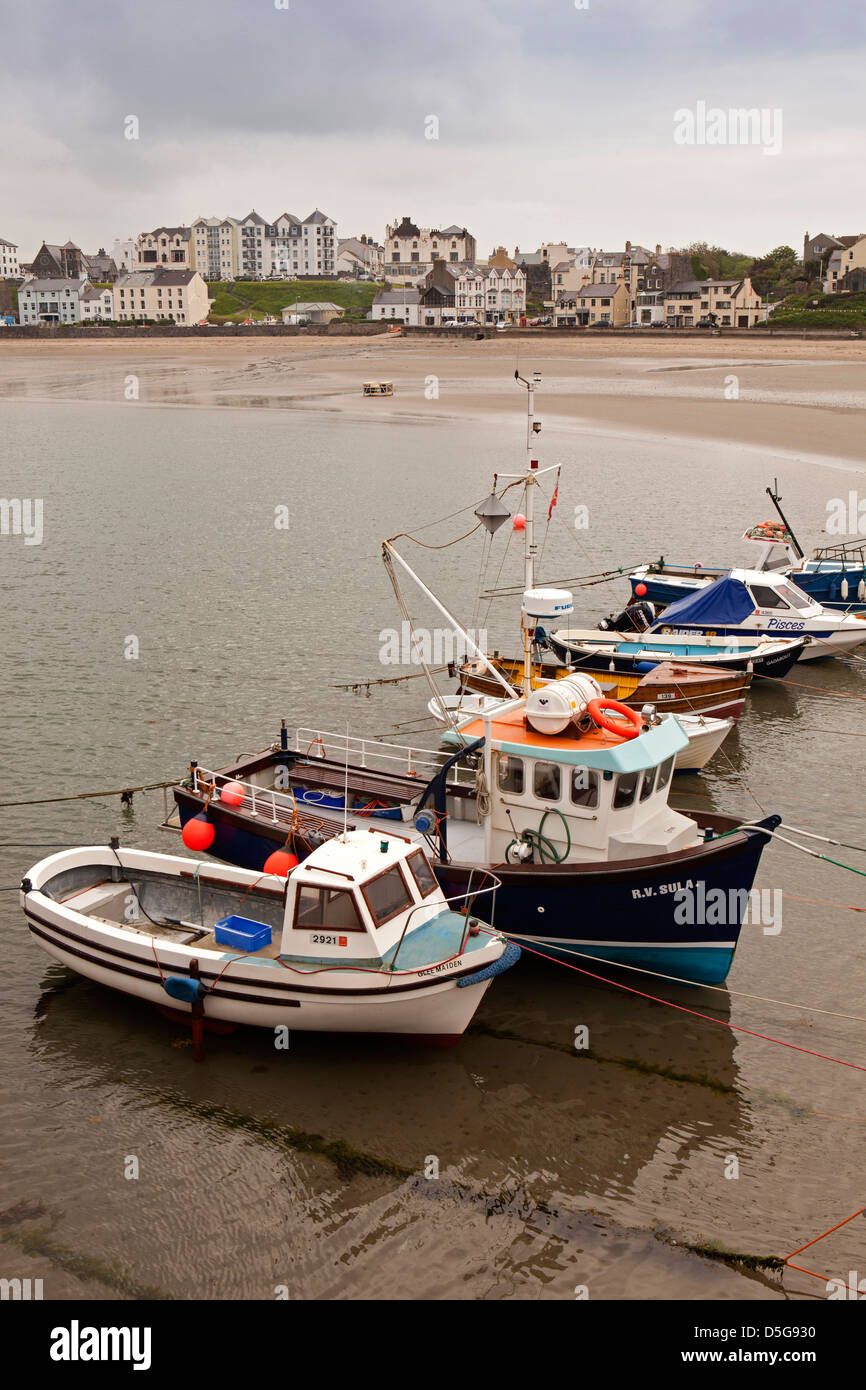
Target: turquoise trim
649 749
701 965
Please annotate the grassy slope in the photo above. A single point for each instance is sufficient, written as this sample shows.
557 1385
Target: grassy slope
255 298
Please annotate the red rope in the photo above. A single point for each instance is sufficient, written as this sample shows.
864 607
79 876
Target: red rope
823 1277
708 1018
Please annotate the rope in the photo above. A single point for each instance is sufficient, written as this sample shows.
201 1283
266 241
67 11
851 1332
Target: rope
814 1275
447 716
84 796
708 1018
823 902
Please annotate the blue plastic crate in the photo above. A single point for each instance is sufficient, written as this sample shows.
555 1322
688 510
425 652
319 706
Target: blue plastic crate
242 933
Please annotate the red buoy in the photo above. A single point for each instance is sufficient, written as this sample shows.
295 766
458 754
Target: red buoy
232 794
198 833
519 523
640 590
281 863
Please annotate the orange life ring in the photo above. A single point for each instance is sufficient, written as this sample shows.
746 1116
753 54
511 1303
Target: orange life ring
615 726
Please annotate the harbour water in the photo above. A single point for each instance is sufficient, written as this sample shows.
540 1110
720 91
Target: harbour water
516 1165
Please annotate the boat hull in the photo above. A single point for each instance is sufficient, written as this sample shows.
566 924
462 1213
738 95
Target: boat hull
629 904
822 586
775 664
626 913
673 688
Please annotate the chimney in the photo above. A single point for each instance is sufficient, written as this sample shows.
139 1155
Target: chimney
627 247
658 248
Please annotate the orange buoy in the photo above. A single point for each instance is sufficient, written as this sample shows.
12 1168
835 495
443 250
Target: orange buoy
198 833
595 709
232 794
640 590
519 523
281 863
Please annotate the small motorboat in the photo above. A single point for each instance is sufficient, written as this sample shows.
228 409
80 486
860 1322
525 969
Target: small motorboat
756 604
359 938
705 735
635 651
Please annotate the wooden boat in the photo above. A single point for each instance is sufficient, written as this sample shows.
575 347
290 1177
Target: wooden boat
359 938
677 689
378 388
589 853
705 734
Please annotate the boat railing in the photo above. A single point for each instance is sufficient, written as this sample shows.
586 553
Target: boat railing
258 801
846 552
411 762
469 897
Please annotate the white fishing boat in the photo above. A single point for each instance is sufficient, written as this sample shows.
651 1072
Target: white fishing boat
705 734
359 938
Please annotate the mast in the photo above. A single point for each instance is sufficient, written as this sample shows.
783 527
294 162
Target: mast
530 479
773 494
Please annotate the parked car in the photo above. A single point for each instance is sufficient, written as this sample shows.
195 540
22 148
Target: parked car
660 323
601 323
705 323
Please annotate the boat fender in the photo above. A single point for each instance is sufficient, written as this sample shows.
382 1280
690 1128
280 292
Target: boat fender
510 956
184 987
843 588
861 590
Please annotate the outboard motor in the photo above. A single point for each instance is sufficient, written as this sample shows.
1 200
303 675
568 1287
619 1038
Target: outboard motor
637 617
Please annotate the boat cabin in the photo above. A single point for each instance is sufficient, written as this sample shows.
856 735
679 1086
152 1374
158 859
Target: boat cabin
581 794
361 897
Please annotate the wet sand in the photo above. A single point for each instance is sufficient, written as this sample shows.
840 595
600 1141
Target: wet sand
767 394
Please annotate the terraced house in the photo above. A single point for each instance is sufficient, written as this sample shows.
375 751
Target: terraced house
286 248
727 303
180 295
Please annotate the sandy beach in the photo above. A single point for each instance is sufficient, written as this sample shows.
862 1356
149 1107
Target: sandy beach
802 397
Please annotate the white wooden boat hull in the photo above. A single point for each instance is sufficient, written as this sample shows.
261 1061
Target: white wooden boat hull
422 1003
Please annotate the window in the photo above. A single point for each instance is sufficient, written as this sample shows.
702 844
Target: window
326 907
510 774
626 787
664 774
795 596
387 895
546 781
647 784
422 873
767 598
584 787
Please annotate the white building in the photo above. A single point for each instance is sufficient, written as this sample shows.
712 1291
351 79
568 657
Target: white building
287 248
123 255
169 247
9 269
397 306
410 251
180 295
95 304
215 247
51 301
490 294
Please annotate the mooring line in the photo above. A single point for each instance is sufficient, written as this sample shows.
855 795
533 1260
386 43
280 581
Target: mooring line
802 1268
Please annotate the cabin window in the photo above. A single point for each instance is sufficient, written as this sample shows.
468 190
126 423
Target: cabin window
326 907
422 873
626 787
584 787
795 596
547 783
387 895
767 598
649 779
510 774
664 776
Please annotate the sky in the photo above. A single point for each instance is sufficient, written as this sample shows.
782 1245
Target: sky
555 120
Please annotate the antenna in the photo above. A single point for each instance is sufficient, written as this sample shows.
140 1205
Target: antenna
346 789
